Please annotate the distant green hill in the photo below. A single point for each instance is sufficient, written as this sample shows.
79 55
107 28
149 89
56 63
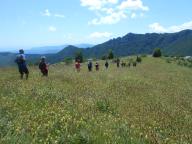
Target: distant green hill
171 44
179 44
132 44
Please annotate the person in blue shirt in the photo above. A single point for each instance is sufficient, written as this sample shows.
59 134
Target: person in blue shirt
21 62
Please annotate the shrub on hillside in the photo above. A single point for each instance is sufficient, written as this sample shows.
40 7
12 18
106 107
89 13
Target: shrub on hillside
168 60
157 52
189 60
68 61
138 59
165 55
79 56
143 55
104 57
111 55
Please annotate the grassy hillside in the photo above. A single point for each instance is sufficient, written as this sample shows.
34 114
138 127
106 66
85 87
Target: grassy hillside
151 103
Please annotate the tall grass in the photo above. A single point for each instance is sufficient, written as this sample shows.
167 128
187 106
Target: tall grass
151 103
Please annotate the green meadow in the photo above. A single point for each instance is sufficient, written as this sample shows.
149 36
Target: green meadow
149 104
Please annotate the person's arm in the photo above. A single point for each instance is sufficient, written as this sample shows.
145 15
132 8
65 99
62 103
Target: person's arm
40 65
22 57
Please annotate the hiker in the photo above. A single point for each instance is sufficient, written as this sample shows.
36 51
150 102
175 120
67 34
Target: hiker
134 64
77 65
123 64
97 66
43 66
118 62
90 65
106 64
21 62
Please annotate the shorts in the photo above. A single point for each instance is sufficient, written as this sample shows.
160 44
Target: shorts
44 72
23 69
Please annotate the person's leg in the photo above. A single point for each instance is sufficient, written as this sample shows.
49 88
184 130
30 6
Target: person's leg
45 73
42 72
21 72
26 73
22 75
27 76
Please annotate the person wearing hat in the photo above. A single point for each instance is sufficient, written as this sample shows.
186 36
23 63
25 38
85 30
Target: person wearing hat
21 62
43 66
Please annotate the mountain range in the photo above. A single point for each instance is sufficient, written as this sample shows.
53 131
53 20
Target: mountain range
48 49
176 44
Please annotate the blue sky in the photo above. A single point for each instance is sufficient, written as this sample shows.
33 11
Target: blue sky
30 23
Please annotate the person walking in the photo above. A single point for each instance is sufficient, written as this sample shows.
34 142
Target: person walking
118 62
106 64
22 65
90 66
78 65
43 66
97 66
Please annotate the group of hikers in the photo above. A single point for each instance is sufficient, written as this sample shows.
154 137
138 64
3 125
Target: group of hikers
89 65
43 65
22 65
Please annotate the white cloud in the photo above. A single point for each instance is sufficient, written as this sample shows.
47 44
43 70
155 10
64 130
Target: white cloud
52 29
97 4
133 15
46 13
156 27
113 11
133 4
109 19
100 35
59 15
92 4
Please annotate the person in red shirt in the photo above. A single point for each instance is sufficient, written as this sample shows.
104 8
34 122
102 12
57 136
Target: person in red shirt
43 66
78 66
97 66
